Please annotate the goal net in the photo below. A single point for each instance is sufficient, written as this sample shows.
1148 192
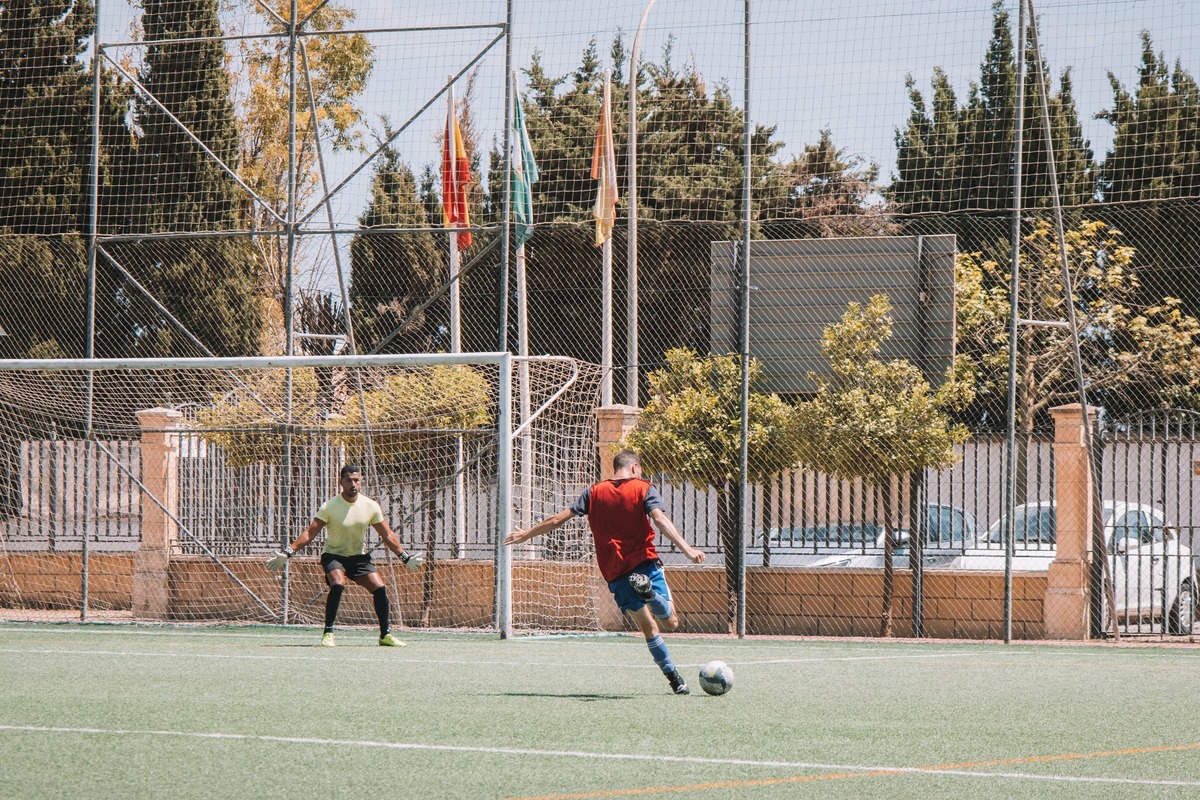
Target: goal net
157 490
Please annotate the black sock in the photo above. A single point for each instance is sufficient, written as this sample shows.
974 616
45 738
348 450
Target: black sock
381 609
331 605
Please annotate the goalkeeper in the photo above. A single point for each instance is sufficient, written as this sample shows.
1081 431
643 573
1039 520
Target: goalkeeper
620 512
347 516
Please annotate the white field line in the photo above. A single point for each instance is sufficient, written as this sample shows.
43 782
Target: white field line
583 754
471 639
482 662
329 657
474 639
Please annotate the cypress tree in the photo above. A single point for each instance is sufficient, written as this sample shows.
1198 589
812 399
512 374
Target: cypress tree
207 284
958 159
1150 179
394 272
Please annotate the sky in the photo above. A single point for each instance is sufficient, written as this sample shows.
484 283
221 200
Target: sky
814 65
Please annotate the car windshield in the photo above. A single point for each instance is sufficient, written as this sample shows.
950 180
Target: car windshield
856 534
1133 523
947 526
1035 525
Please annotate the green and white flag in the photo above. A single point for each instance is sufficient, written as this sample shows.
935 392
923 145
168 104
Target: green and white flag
524 172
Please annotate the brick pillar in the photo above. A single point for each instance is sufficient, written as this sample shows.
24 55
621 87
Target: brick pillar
612 423
1066 606
160 474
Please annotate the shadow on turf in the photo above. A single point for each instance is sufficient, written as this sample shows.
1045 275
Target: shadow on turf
581 696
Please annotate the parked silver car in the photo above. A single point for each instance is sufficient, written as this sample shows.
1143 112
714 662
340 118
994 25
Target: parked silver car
948 529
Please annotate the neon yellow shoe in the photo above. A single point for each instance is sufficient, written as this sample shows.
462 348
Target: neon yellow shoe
327 639
387 640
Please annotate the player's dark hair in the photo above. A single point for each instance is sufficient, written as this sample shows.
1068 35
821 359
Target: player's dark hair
625 458
348 469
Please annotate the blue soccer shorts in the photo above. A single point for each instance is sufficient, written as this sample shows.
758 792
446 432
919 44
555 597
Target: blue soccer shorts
629 600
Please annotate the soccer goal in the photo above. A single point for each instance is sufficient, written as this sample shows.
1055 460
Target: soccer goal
157 489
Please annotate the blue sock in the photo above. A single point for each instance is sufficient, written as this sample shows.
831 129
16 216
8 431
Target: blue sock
658 649
658 606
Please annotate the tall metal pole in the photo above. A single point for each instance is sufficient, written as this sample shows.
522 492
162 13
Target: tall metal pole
455 256
504 471
606 307
506 205
1097 532
89 351
744 487
631 336
526 461
288 309
1010 478
460 503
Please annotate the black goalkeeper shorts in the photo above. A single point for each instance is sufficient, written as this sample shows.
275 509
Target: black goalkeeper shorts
353 566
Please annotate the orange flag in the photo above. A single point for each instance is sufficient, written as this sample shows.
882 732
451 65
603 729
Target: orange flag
604 171
456 177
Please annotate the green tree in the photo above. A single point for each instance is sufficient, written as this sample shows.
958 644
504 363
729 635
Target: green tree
45 137
689 194
331 72
957 158
244 421
1150 178
209 285
393 272
875 420
824 192
1126 345
45 155
690 429
43 289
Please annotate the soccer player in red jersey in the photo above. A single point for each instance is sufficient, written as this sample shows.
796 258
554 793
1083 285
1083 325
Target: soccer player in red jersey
620 512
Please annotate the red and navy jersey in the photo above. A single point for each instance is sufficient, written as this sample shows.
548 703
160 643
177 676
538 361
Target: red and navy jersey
618 514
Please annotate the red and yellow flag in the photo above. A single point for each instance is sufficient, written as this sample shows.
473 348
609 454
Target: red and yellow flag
456 177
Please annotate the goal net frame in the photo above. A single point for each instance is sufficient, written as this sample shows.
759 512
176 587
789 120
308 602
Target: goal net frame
514 416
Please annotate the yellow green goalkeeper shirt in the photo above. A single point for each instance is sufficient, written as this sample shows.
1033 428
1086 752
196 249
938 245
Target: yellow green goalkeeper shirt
346 524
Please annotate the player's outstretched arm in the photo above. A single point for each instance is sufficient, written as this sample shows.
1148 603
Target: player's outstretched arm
301 542
667 528
545 526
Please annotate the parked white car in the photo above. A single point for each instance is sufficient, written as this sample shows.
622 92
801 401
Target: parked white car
1153 575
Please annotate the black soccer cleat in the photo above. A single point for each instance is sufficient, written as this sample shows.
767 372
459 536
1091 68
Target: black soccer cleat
677 684
641 586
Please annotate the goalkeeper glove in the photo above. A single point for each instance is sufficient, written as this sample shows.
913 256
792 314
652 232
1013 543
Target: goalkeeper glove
281 558
413 562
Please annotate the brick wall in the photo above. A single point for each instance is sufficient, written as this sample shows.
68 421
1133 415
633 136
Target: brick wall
780 601
54 580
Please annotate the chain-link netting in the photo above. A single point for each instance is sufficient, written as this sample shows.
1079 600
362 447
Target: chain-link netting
336 186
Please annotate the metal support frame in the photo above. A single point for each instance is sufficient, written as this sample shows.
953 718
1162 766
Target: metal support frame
295 29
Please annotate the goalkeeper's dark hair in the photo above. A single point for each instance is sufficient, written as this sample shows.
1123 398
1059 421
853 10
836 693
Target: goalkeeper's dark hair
349 469
625 458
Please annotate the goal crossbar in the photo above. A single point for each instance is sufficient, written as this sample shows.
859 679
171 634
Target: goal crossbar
253 362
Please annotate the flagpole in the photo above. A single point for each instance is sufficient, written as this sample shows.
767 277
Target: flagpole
523 379
522 172
455 260
460 488
606 320
526 506
631 346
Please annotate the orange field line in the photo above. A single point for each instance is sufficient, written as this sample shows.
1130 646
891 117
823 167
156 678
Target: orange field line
1129 751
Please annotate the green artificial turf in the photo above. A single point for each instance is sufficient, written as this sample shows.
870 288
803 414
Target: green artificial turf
111 711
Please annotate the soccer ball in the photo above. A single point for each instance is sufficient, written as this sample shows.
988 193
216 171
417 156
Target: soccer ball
716 677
